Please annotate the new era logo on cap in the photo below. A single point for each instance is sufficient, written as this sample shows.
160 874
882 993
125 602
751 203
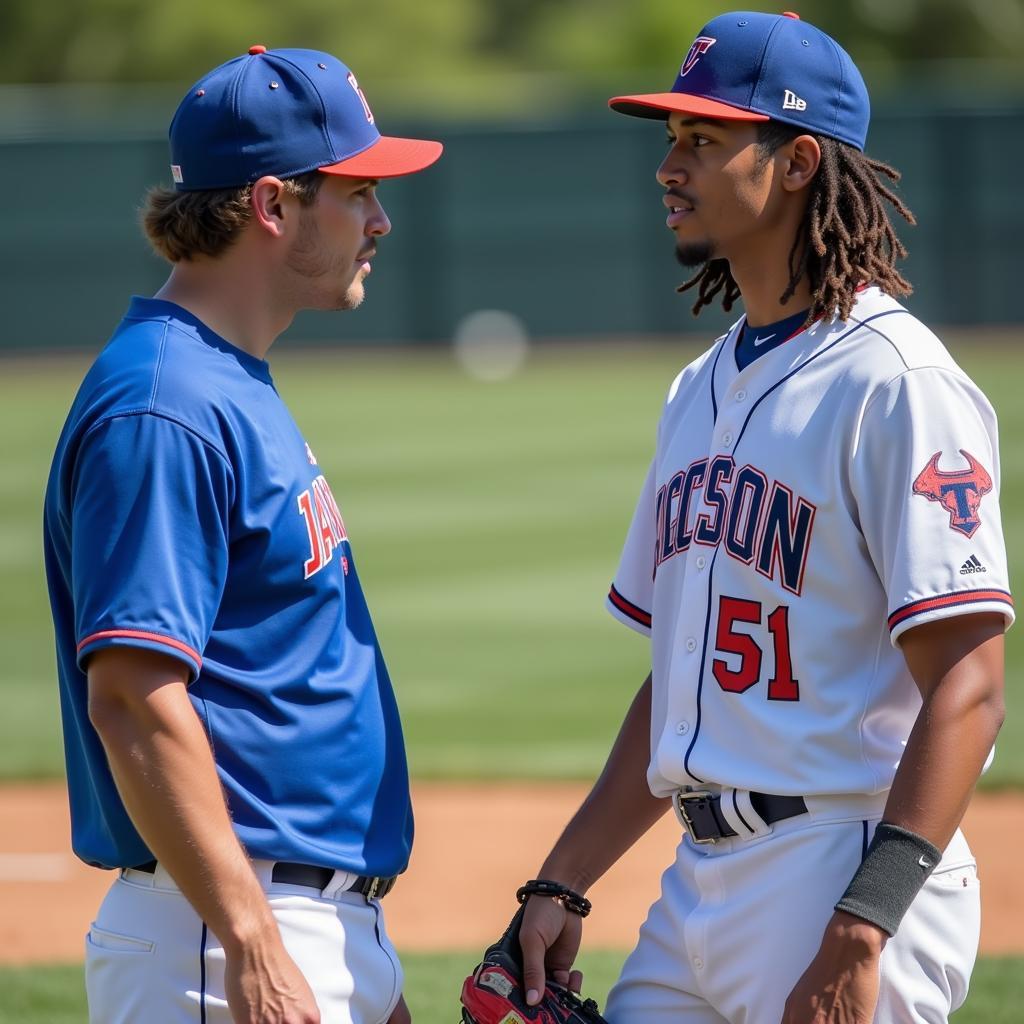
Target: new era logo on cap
790 101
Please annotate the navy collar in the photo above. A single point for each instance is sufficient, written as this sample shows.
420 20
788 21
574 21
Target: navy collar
753 342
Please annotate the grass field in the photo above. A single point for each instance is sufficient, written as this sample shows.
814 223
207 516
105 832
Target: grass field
55 995
487 520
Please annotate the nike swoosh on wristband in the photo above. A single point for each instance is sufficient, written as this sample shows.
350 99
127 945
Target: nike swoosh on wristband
761 341
923 862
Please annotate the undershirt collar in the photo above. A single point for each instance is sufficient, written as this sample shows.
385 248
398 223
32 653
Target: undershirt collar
755 341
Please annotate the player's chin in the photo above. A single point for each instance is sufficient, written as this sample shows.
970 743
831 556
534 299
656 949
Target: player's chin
352 298
694 254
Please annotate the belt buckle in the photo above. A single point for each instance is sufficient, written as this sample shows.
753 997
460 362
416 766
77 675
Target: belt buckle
679 800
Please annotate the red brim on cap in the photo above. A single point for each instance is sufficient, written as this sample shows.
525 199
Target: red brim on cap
656 105
388 157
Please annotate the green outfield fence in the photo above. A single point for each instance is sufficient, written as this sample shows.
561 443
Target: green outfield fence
557 221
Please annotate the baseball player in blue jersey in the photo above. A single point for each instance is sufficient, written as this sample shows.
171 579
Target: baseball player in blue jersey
818 561
232 741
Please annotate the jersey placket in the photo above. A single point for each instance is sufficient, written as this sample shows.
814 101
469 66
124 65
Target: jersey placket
686 671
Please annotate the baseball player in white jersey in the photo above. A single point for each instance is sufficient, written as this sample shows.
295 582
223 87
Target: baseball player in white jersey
817 558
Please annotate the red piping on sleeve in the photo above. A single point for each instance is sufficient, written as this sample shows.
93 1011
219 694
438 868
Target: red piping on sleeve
138 634
946 601
628 608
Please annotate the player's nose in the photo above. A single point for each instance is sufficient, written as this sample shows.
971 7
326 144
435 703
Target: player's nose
378 223
670 171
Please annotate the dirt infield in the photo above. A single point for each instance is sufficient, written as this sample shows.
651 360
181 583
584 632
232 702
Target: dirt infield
472 850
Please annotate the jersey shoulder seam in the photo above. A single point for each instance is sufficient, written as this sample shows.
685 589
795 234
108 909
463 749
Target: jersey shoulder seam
870 327
159 414
159 366
882 388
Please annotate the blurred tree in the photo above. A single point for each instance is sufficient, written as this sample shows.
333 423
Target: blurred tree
132 40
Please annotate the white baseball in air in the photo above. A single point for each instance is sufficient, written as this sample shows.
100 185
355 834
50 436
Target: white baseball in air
491 344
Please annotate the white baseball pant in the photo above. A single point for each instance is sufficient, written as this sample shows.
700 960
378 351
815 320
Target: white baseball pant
738 922
150 958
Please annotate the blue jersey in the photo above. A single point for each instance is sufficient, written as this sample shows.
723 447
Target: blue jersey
185 514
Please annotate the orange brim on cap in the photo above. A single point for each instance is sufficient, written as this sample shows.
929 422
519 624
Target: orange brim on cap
655 105
388 157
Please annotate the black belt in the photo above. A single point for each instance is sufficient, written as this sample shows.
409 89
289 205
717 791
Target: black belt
701 812
370 886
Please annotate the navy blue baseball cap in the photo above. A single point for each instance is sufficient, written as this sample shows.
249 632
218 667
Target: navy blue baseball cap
747 66
283 112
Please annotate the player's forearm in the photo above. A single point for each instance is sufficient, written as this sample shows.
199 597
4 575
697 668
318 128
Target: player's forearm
960 671
161 761
618 810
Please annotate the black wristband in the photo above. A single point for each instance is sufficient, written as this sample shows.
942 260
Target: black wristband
897 864
569 899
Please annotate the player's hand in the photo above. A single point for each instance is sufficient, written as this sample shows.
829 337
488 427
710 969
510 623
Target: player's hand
400 1014
841 985
550 938
264 986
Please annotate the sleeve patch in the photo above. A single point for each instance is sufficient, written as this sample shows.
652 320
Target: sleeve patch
634 612
959 492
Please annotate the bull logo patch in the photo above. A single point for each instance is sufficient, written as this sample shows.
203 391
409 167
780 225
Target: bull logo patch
958 492
701 45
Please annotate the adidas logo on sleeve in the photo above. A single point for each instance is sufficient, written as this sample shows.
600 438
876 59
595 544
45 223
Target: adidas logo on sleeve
971 566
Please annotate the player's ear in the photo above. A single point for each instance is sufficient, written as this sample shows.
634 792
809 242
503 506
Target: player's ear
802 159
270 204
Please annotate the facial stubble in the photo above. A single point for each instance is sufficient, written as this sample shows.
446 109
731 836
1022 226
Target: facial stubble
308 259
694 254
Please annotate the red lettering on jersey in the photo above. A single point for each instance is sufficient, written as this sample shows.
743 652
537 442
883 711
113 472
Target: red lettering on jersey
324 525
315 562
737 642
330 507
748 654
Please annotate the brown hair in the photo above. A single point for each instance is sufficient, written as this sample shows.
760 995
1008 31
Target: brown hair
183 225
845 240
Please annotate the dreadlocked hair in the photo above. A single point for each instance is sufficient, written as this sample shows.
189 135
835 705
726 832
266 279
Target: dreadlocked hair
845 240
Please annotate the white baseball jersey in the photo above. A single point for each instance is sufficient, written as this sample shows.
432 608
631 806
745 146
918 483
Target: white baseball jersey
798 517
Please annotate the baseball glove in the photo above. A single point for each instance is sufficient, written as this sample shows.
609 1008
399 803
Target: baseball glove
493 993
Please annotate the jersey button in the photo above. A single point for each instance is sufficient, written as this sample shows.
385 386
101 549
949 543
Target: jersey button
683 728
701 561
698 963
691 644
741 395
726 439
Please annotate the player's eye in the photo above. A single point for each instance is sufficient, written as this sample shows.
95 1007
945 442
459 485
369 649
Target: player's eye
670 140
700 140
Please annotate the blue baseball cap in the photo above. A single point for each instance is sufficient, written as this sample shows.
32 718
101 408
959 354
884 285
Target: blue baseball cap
283 112
747 66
